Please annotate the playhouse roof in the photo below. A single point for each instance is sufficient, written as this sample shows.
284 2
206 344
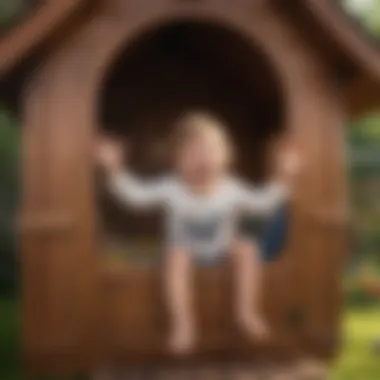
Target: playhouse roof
353 54
36 23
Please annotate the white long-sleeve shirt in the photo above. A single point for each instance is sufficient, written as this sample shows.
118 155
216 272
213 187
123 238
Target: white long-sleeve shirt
204 225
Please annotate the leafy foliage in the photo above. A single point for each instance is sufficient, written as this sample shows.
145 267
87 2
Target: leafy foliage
366 132
367 11
364 143
9 152
11 11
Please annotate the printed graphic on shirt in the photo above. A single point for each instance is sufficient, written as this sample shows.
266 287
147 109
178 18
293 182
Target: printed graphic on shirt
203 230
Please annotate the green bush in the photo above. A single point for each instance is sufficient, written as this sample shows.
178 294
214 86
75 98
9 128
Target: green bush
362 290
11 11
9 153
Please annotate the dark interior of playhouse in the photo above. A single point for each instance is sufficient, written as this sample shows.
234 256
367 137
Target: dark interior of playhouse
169 71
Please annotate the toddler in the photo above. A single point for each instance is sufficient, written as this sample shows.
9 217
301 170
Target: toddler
202 202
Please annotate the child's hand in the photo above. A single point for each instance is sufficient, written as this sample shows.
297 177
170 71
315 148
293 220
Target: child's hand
290 164
109 154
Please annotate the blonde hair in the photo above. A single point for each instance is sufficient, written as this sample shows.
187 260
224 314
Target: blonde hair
196 123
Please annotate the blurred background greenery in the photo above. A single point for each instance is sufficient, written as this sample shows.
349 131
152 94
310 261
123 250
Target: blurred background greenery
360 357
11 11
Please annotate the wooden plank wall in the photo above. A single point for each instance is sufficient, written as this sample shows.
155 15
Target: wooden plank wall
67 300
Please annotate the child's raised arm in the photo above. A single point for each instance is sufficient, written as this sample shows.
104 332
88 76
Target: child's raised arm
137 193
266 199
125 186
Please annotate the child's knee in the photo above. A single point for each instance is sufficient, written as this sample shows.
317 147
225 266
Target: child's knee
177 258
245 248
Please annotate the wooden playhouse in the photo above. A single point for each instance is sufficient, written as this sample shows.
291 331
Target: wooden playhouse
71 67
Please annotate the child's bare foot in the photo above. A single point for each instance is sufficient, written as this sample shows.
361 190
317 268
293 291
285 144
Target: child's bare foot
181 340
254 325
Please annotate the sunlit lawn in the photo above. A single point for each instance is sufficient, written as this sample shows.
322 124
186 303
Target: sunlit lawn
358 361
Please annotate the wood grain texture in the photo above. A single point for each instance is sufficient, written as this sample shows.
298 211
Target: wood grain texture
38 26
301 370
77 313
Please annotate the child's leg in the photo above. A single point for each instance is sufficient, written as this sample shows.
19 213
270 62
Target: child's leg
247 273
179 297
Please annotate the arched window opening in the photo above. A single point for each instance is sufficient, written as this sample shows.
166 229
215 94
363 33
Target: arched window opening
177 68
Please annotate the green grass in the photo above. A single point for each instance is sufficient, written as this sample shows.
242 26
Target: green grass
9 359
358 360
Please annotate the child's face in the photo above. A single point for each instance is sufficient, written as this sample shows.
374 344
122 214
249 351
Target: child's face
202 158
